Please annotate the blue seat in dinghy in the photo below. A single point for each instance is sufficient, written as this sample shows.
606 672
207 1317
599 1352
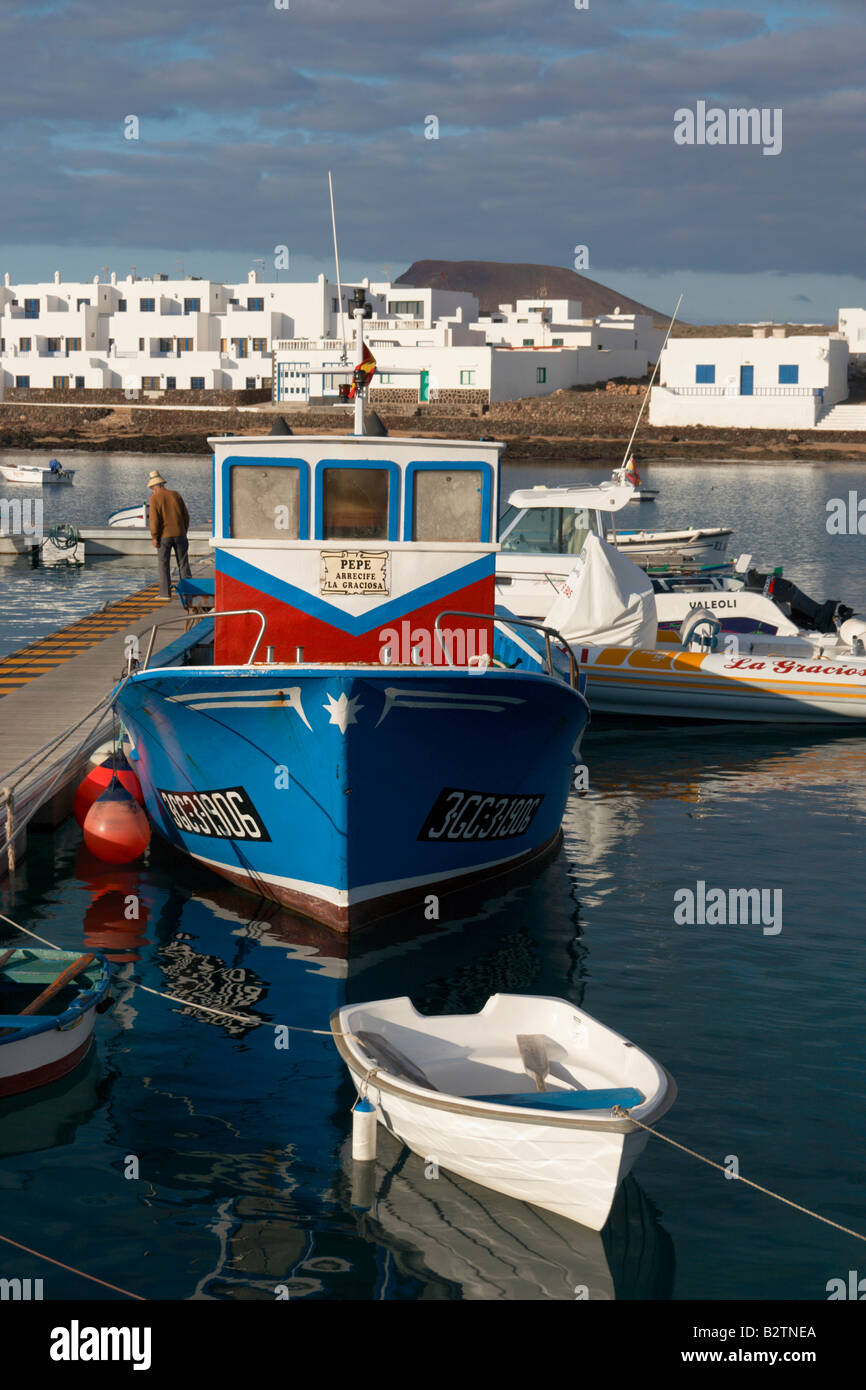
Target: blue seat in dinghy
525 649
602 1099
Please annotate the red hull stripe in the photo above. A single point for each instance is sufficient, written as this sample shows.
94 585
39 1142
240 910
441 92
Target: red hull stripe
288 628
43 1076
229 566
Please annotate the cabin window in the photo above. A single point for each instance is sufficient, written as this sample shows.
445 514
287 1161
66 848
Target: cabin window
447 505
355 504
546 530
265 502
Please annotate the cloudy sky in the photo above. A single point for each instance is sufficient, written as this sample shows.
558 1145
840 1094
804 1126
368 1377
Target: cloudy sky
555 129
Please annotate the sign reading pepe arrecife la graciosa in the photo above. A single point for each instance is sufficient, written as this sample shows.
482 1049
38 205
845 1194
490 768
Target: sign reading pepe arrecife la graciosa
355 572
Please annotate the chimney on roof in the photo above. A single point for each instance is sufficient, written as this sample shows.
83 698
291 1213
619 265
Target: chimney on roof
57 277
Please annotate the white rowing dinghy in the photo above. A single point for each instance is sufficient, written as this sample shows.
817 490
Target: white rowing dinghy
525 1097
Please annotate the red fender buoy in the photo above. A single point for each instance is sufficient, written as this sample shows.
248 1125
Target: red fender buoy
98 779
116 829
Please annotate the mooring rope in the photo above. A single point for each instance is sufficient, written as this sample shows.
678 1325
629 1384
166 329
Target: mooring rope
72 1269
173 998
846 1230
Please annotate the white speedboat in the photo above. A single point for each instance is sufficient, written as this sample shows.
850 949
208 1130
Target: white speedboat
531 1096
645 494
33 475
133 517
543 529
607 612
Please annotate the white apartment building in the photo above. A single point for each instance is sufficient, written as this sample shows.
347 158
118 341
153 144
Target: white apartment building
852 326
154 335
559 323
768 380
150 337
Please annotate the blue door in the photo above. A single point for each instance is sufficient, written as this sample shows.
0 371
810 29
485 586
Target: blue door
747 381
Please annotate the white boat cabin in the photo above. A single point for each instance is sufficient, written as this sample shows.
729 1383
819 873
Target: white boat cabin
350 546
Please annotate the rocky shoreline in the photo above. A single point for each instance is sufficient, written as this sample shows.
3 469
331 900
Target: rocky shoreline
588 426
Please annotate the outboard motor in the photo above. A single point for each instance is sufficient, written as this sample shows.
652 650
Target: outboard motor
699 630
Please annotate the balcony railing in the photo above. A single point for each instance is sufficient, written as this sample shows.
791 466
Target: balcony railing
735 391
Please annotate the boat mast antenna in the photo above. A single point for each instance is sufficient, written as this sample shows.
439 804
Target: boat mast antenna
361 309
345 355
627 455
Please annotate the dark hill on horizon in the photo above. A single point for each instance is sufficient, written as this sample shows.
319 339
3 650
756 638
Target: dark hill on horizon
499 282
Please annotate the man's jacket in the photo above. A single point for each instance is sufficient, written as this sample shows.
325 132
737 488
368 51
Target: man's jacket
168 514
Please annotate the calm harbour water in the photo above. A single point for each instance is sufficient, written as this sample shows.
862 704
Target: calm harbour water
244 1177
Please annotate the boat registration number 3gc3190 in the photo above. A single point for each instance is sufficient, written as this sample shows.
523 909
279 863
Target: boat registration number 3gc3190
227 814
465 815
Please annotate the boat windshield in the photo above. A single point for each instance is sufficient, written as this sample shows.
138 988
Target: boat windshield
546 530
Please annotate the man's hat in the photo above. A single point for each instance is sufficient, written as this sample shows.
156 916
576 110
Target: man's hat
155 478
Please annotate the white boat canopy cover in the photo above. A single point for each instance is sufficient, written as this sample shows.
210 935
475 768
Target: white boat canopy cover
597 497
606 601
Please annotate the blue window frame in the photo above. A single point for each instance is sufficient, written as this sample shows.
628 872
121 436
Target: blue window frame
147 306
412 469
705 374
789 375
383 465
300 466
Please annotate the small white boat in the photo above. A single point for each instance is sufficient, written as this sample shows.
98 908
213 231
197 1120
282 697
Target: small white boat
645 494
33 475
48 1004
134 517
526 1097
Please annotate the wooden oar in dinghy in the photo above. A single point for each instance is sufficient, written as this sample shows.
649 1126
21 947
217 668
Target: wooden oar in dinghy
7 956
63 979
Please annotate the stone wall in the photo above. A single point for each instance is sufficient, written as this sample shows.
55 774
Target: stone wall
115 395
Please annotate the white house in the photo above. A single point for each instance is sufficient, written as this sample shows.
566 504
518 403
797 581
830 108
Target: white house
852 326
768 380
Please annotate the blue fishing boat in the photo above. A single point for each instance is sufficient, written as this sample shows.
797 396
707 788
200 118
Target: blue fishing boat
355 745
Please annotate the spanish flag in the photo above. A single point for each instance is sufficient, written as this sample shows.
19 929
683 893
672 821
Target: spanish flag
631 474
367 365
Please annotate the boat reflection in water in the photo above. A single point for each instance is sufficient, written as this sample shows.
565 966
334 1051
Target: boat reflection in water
48 1118
467 1242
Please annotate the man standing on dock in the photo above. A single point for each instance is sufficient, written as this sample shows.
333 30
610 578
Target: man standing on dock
169 523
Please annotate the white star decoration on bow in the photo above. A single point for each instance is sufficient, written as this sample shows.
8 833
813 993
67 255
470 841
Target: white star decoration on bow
343 712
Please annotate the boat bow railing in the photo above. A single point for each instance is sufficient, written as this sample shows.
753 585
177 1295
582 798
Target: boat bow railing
551 634
210 613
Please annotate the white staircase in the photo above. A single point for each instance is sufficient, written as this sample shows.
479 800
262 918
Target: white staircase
843 417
